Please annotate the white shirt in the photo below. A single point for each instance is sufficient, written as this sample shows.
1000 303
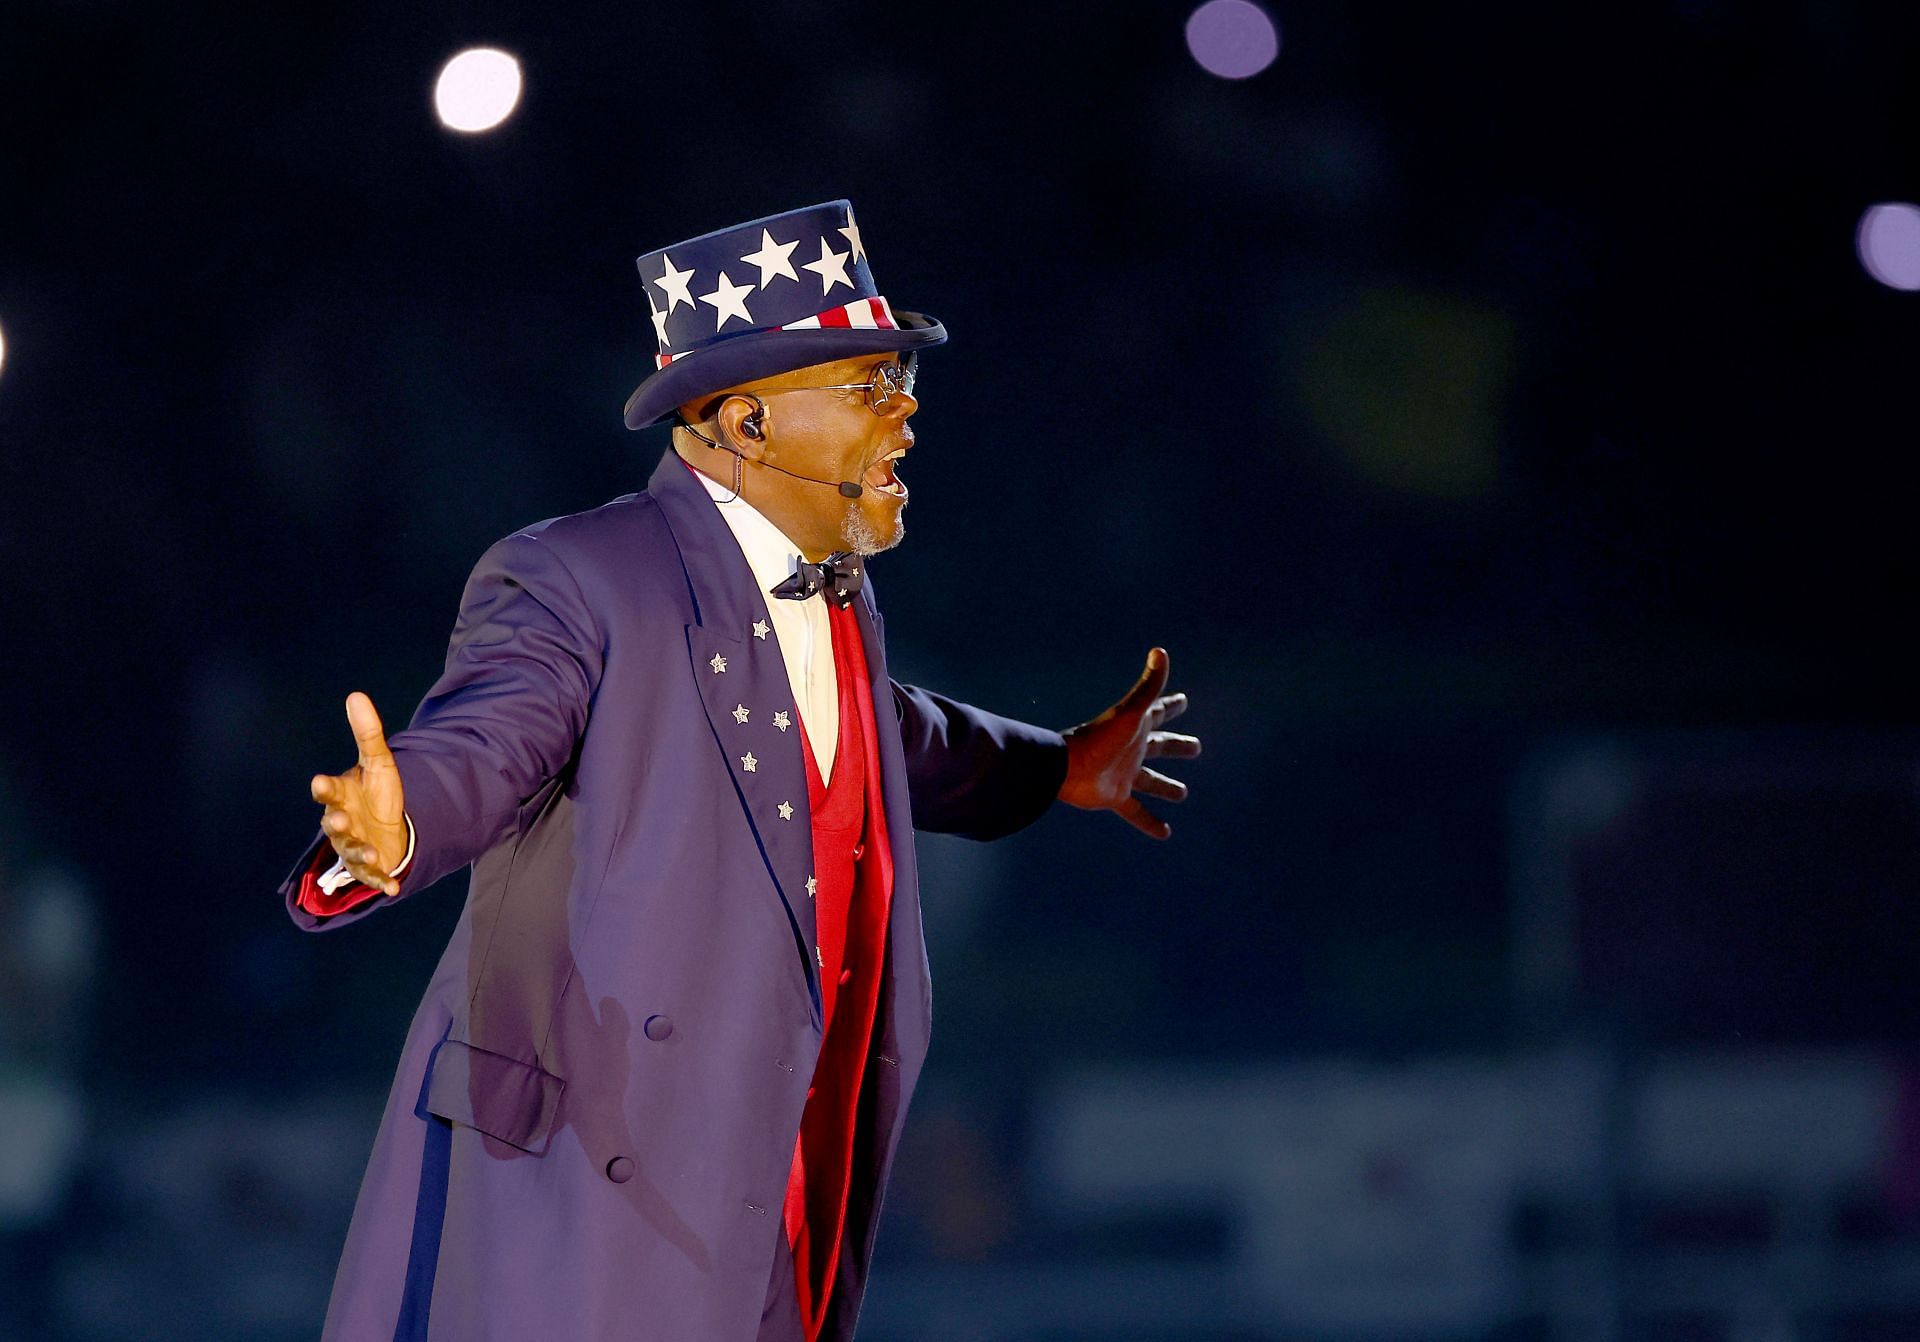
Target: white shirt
806 638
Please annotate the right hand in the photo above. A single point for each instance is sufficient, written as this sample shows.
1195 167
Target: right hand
366 813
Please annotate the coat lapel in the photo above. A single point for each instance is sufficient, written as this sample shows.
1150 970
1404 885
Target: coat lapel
744 688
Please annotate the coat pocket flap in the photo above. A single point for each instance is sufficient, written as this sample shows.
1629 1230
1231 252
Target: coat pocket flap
492 1093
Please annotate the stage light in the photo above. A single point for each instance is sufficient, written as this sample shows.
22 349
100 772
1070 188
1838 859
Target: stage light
477 90
1888 241
3 351
1232 38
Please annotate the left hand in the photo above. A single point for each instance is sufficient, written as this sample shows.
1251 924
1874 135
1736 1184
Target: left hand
1104 768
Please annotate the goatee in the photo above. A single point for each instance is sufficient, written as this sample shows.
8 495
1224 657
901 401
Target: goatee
859 535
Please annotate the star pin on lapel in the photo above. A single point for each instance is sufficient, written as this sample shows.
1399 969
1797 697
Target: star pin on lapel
759 628
782 721
786 811
811 882
718 664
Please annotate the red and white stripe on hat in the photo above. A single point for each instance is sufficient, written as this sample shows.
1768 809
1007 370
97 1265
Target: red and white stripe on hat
867 314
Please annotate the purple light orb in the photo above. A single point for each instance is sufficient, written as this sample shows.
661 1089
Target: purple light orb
1232 38
1888 241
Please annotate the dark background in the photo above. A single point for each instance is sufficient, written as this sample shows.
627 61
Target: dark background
1485 406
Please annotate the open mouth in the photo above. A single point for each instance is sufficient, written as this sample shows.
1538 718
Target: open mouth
880 476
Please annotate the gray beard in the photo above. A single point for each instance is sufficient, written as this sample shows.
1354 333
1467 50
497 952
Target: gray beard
860 537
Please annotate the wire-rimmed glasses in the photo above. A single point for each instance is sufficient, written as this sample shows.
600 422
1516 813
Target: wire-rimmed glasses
888 380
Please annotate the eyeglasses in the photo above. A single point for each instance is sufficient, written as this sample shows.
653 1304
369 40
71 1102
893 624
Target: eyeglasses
888 381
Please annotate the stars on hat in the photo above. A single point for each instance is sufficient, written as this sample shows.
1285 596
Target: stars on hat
831 267
852 230
740 712
772 258
659 322
729 300
673 284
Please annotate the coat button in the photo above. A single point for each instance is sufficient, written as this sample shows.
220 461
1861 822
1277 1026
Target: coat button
620 1169
658 1027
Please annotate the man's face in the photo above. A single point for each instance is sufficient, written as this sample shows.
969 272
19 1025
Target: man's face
829 435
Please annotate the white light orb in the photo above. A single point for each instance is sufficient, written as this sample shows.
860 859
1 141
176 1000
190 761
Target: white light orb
477 90
1888 241
3 351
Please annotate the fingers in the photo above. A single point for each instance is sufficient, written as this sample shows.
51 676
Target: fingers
1136 814
1172 745
1159 785
1151 682
356 852
1167 707
368 734
361 859
351 846
373 876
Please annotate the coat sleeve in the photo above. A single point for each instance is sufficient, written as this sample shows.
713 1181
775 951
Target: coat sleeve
971 772
504 718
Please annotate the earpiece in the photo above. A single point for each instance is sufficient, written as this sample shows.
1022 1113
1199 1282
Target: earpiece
750 426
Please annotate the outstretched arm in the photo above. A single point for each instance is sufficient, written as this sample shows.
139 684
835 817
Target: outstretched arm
980 775
503 719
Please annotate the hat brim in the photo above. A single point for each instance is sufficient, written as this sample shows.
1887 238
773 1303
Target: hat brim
758 354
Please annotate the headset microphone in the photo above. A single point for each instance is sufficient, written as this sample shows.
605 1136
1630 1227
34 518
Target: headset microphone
852 489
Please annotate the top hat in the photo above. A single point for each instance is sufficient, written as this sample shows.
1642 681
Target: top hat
762 298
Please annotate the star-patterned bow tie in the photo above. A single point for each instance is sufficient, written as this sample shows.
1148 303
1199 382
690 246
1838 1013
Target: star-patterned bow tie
838 575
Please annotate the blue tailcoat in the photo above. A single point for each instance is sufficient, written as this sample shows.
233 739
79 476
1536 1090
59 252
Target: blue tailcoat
590 1129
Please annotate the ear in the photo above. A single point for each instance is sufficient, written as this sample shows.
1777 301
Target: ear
731 421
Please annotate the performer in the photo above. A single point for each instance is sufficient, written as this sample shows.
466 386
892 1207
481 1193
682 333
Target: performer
656 1084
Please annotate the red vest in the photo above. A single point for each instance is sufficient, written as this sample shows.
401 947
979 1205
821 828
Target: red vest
853 889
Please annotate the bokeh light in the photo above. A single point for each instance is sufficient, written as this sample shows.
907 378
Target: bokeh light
3 351
1888 241
477 90
1232 38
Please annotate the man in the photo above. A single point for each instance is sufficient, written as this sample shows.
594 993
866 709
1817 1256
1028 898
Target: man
656 1084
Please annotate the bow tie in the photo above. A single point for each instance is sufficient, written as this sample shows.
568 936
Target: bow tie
838 575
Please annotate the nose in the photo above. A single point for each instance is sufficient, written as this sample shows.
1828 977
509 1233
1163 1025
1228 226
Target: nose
901 404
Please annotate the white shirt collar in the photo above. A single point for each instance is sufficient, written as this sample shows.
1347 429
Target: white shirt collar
771 555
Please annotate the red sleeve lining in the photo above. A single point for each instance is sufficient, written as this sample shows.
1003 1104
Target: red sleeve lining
323 905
